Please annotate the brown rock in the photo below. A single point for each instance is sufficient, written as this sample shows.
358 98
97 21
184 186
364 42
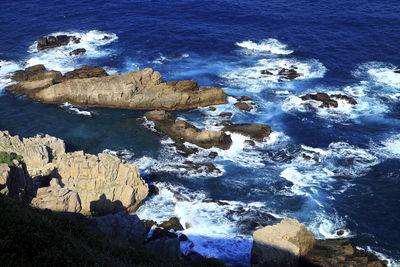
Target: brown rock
142 89
52 41
78 51
243 106
212 108
225 114
172 224
244 98
328 100
253 130
182 130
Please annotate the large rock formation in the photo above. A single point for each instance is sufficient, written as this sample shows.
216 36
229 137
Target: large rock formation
55 41
282 244
179 129
141 89
100 183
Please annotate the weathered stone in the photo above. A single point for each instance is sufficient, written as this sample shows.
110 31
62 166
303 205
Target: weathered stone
243 106
253 130
78 51
213 154
57 198
142 89
225 114
15 182
84 73
182 130
165 247
281 244
122 226
288 73
328 100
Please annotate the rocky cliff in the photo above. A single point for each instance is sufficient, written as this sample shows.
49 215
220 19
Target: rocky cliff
75 181
141 89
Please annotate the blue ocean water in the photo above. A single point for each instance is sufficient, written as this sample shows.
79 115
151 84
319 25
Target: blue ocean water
340 46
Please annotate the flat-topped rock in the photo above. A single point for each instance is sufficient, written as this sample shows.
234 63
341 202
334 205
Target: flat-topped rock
179 129
141 89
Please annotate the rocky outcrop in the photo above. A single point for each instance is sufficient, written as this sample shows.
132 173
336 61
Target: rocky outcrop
78 51
328 101
253 130
289 243
141 89
83 73
122 226
164 243
55 41
288 73
102 183
282 244
15 181
182 130
57 198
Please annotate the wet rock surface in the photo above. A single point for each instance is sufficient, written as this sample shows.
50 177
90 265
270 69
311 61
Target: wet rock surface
328 101
78 51
182 130
255 131
54 41
284 73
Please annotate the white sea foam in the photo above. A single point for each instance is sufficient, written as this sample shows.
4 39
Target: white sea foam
251 79
379 72
269 45
162 59
76 110
123 154
59 59
6 69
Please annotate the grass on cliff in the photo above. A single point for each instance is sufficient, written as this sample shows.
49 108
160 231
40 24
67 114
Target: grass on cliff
8 158
34 237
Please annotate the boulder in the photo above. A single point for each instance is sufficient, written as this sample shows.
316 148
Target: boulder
164 244
253 130
122 226
78 51
15 181
141 89
243 106
397 71
328 101
282 244
57 198
182 130
53 41
172 224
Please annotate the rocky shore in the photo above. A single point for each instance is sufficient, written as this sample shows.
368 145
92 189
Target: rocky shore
141 89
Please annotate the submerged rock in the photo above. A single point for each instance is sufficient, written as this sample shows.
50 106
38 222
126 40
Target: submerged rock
243 106
172 224
288 73
397 71
328 100
141 89
182 130
253 130
53 41
79 51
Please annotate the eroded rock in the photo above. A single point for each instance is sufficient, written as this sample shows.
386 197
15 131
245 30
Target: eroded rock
179 129
78 51
253 130
53 41
284 73
328 101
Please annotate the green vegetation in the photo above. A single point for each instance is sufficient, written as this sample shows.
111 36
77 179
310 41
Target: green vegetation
8 158
34 237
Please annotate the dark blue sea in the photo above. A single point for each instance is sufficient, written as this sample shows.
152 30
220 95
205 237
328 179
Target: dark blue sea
349 47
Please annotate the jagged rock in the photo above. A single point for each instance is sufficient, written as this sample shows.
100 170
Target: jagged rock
153 190
15 181
148 224
106 37
282 244
213 154
173 223
179 129
141 89
122 226
57 198
53 41
78 51
103 182
244 98
328 100
289 73
223 123
200 167
38 152
253 130
83 73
